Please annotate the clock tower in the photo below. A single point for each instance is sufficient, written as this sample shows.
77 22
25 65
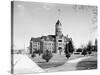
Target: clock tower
58 29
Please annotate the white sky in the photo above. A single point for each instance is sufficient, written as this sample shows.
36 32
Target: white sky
33 19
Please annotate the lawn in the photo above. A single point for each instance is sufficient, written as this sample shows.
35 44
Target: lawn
46 65
59 60
55 61
90 63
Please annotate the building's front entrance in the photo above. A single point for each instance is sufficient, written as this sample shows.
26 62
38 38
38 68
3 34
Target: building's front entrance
60 50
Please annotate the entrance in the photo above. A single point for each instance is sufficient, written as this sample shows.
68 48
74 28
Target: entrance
60 50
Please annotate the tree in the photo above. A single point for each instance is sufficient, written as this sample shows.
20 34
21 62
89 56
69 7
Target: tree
67 51
96 42
47 55
70 47
89 47
84 52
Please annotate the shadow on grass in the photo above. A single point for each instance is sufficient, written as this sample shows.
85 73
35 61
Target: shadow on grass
87 65
46 65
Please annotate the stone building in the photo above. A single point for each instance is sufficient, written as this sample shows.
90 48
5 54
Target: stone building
61 40
35 44
48 43
54 43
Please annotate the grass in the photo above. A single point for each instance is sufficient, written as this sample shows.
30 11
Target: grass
46 65
58 60
88 64
55 61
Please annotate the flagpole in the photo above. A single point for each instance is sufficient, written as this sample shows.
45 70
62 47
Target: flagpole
59 10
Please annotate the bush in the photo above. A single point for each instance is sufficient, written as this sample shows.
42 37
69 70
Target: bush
89 52
33 55
79 50
84 52
47 55
68 55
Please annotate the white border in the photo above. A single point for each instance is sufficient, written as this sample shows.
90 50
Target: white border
5 35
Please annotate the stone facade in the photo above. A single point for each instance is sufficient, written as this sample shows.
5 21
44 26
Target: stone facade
36 44
54 43
48 43
61 40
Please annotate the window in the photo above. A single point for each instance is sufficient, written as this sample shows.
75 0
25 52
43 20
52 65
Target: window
60 48
59 40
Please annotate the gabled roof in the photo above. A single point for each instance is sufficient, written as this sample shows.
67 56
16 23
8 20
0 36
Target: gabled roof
35 39
53 36
48 38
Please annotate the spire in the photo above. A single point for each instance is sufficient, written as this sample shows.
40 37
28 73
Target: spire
58 22
58 29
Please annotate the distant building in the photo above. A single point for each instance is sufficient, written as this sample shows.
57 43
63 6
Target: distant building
54 43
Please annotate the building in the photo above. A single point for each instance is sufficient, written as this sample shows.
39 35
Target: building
61 40
54 43
35 44
48 43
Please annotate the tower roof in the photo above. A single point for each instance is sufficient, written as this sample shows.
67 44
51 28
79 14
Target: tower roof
58 22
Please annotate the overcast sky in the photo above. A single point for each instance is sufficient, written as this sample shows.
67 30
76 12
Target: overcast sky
33 19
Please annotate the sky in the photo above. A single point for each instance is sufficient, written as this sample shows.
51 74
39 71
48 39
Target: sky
33 19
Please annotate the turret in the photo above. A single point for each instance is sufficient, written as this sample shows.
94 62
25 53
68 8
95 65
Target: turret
58 29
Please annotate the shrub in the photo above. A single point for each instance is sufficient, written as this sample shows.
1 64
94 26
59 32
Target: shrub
47 55
68 55
33 55
84 52
70 47
89 52
79 50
